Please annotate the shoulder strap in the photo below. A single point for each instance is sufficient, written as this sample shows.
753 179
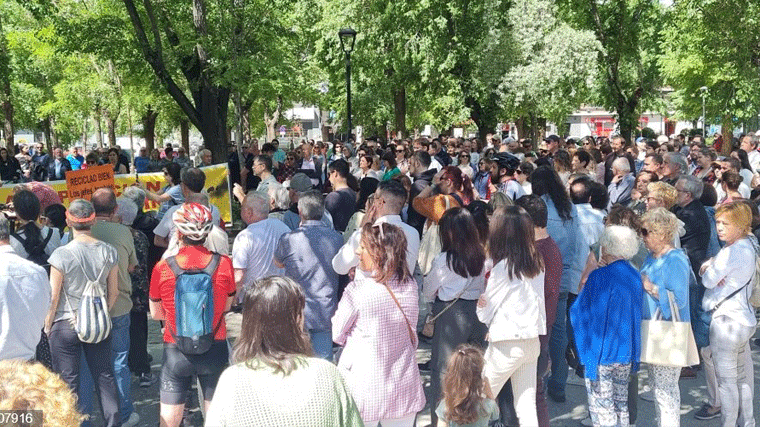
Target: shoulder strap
212 265
730 296
47 239
458 199
448 306
408 326
172 263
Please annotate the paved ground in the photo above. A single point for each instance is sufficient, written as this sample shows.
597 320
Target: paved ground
693 392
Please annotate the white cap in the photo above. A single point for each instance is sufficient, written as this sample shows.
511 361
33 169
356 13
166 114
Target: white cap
662 139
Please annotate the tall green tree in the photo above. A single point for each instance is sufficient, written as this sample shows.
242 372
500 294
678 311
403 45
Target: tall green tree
714 44
629 32
553 66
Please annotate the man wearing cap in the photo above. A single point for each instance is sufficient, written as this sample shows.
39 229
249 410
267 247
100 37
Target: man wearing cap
299 184
193 222
503 176
552 144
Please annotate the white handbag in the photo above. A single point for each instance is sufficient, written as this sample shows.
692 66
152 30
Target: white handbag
668 342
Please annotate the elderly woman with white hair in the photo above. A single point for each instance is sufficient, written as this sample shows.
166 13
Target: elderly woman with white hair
279 201
665 272
606 318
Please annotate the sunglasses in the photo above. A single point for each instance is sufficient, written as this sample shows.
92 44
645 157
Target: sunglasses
518 171
464 157
400 151
644 232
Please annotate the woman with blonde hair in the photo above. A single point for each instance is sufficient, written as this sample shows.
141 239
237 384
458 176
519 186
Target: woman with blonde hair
666 271
661 194
373 324
728 278
28 387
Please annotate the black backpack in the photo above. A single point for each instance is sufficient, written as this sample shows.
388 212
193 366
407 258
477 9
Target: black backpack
36 249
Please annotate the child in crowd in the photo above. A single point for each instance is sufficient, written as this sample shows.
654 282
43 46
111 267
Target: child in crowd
465 402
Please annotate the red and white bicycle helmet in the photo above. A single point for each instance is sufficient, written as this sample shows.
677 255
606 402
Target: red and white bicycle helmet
193 220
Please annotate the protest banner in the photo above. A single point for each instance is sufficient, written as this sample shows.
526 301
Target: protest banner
82 183
217 186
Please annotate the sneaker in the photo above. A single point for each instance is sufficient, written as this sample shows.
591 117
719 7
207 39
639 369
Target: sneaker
707 412
134 418
147 380
586 422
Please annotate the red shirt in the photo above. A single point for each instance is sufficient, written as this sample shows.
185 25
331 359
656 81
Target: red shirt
549 250
191 257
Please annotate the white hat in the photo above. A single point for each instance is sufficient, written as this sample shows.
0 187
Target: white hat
662 139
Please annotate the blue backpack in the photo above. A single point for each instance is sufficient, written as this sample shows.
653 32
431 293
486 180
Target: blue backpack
194 307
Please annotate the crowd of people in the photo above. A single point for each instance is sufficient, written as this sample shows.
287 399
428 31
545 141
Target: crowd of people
30 162
519 267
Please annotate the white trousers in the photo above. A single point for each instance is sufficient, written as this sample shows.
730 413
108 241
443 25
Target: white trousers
407 421
518 360
729 342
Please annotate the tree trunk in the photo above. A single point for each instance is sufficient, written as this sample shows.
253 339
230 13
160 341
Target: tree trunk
483 114
149 128
271 119
45 124
98 129
246 117
111 126
5 91
399 110
54 134
84 130
184 135
727 130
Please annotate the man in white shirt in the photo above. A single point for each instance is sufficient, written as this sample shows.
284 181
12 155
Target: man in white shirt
253 248
389 200
24 301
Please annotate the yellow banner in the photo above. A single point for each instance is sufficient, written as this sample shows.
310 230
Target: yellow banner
217 187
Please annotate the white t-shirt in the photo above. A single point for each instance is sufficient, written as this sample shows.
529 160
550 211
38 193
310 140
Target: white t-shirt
253 249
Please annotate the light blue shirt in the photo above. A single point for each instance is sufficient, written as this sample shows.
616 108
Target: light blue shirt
572 245
669 272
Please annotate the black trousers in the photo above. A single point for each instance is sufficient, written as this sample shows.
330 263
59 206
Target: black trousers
458 325
66 349
138 342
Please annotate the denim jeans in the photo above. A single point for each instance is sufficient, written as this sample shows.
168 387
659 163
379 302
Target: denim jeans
321 343
67 351
557 347
119 355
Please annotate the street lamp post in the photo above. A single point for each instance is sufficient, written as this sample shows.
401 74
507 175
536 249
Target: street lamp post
703 89
347 38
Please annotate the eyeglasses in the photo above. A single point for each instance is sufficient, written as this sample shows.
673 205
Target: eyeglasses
400 151
290 158
464 157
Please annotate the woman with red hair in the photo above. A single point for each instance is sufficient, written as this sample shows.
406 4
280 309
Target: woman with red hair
450 188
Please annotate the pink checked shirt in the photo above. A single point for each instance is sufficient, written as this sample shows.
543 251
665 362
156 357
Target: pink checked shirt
379 360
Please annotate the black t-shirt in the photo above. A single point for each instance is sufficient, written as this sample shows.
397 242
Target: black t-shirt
341 204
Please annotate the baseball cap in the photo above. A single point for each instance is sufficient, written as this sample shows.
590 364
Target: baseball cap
662 139
552 138
300 183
